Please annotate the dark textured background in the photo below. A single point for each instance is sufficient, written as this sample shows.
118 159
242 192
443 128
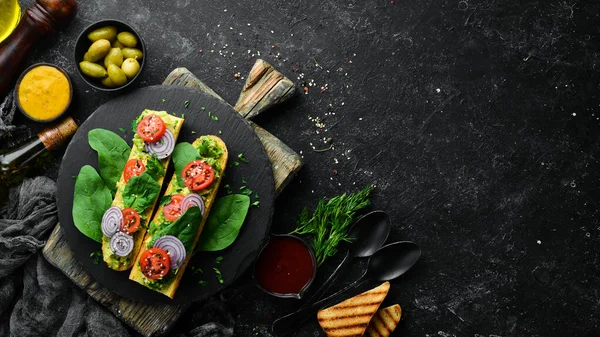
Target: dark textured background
477 121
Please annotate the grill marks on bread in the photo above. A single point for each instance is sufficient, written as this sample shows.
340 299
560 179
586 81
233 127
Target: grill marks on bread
352 316
384 321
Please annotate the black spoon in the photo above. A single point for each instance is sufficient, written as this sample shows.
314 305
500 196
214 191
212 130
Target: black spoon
388 263
369 233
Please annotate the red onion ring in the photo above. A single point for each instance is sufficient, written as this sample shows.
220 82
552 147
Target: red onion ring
163 147
112 220
174 247
192 200
121 244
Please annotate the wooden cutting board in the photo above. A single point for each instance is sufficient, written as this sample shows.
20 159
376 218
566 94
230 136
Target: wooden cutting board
265 87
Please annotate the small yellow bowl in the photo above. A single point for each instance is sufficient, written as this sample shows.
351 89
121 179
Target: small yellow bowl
44 92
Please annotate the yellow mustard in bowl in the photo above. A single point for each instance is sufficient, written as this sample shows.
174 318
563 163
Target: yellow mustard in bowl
44 92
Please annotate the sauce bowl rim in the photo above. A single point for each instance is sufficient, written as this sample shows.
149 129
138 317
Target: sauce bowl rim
306 286
18 85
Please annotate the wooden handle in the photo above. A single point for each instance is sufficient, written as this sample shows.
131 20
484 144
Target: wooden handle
43 19
265 87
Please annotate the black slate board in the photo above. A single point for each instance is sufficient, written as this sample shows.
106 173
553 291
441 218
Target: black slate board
238 136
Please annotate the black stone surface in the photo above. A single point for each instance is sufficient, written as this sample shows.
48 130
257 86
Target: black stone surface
476 119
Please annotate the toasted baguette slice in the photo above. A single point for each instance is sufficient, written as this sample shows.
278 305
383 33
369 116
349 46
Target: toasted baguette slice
168 286
351 317
123 263
384 322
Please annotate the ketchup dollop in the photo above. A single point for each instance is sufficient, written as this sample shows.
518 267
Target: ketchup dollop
284 266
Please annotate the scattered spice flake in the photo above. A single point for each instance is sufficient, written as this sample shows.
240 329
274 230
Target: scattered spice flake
256 203
214 118
245 190
186 104
218 259
202 283
242 158
236 75
335 172
122 130
193 132
97 256
305 90
218 275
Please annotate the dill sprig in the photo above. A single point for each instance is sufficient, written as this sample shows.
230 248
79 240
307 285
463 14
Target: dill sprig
330 222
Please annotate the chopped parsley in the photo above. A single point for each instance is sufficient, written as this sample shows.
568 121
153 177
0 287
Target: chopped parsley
218 259
203 108
163 100
218 275
245 190
97 256
243 179
228 189
235 163
242 158
256 203
122 130
186 104
214 118
202 283
197 270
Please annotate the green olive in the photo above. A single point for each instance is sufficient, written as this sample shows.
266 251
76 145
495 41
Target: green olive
107 82
92 69
130 67
117 76
107 33
132 53
86 57
114 56
127 39
117 44
98 50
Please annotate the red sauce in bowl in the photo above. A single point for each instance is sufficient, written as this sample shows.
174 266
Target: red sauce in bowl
285 266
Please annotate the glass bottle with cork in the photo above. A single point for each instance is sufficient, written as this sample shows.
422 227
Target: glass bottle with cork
17 161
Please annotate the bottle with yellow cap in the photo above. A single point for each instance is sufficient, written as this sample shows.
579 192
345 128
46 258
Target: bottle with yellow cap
16 161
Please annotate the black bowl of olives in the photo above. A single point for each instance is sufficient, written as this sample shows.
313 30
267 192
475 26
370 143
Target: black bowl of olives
109 55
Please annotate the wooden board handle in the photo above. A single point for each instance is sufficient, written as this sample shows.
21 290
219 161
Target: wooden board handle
265 87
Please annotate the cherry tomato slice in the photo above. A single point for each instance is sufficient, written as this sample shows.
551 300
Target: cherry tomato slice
198 175
131 221
155 263
172 210
133 167
151 128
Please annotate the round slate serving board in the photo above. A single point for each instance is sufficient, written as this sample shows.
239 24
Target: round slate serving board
239 137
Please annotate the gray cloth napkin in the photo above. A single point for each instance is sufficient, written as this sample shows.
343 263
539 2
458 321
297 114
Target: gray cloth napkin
38 300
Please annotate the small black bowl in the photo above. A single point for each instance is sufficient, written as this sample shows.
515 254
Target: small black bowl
301 293
18 101
83 44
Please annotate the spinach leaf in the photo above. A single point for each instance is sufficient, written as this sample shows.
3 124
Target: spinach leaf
91 199
224 222
182 155
155 168
113 153
140 192
184 228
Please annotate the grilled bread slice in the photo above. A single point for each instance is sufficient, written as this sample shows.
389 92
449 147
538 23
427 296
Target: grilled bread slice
384 322
351 317
112 260
168 284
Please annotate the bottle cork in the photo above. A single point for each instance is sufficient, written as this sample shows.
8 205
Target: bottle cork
54 137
